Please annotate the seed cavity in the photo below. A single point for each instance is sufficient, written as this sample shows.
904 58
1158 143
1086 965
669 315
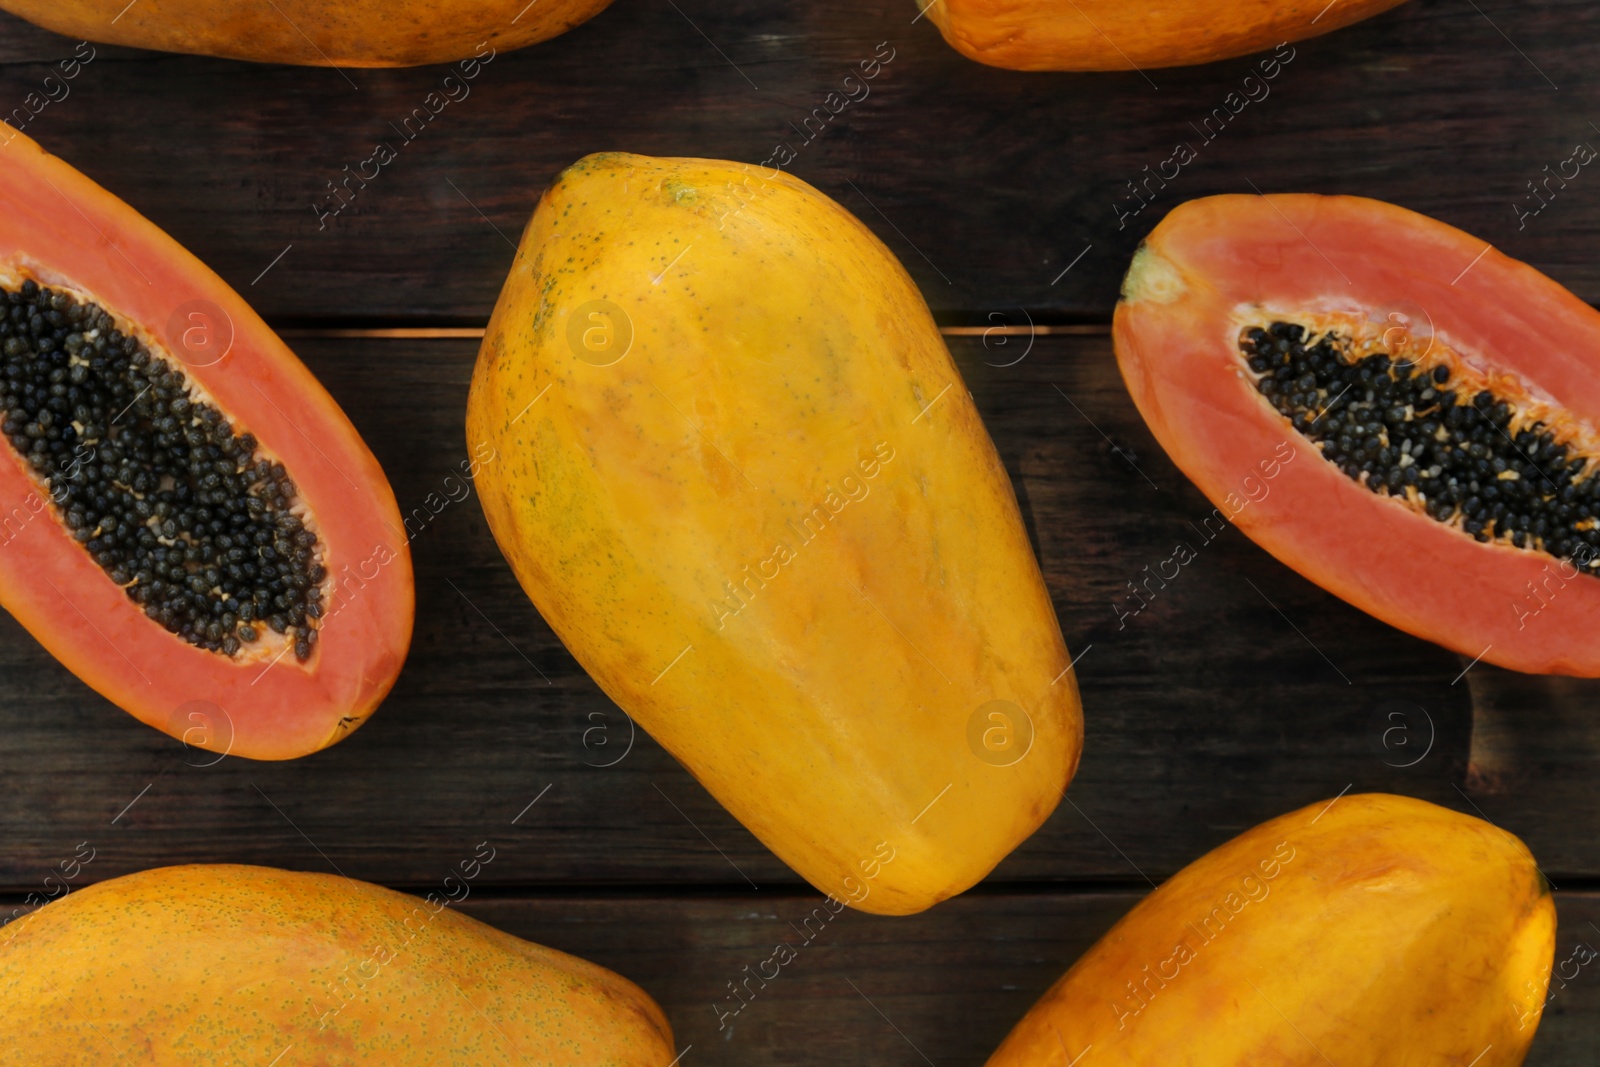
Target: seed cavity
1465 457
152 480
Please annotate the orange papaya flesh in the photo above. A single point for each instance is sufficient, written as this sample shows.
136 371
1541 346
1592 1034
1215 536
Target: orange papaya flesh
203 965
1116 35
1372 929
1386 404
188 521
353 33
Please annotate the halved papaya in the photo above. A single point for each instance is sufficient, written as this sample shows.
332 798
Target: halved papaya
188 521
1117 35
1388 405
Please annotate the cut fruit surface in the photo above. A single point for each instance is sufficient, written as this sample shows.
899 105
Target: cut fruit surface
1388 405
187 519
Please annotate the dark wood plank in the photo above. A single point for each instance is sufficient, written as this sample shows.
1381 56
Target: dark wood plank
1570 1032
987 183
1240 693
1530 733
943 987
952 981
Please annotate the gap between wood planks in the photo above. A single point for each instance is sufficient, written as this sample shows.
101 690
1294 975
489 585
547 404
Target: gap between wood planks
434 333
1572 888
714 891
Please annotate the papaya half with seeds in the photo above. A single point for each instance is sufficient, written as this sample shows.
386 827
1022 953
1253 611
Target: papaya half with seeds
742 480
1118 35
350 33
1369 929
205 965
188 521
1388 405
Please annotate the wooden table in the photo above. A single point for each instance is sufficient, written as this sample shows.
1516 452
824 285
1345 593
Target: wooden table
1240 693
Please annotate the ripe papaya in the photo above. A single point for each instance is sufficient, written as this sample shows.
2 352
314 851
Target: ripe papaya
188 521
741 478
204 965
1370 929
1117 35
352 33
1388 405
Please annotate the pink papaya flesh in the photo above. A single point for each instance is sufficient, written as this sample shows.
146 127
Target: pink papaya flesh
188 521
1390 406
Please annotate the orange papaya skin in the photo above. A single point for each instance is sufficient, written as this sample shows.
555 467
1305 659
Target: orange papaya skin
1117 35
1372 929
351 33
205 965
771 525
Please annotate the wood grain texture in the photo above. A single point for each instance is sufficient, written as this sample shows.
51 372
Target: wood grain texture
1239 693
941 988
987 183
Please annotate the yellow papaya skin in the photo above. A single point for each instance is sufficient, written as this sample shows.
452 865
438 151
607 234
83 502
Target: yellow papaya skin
208 965
349 33
1375 930
741 478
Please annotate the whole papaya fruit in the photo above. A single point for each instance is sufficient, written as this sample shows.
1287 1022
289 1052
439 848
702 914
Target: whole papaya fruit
209 965
350 33
1371 929
742 480
1117 35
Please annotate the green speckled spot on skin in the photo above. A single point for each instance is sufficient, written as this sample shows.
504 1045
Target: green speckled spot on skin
680 192
542 311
